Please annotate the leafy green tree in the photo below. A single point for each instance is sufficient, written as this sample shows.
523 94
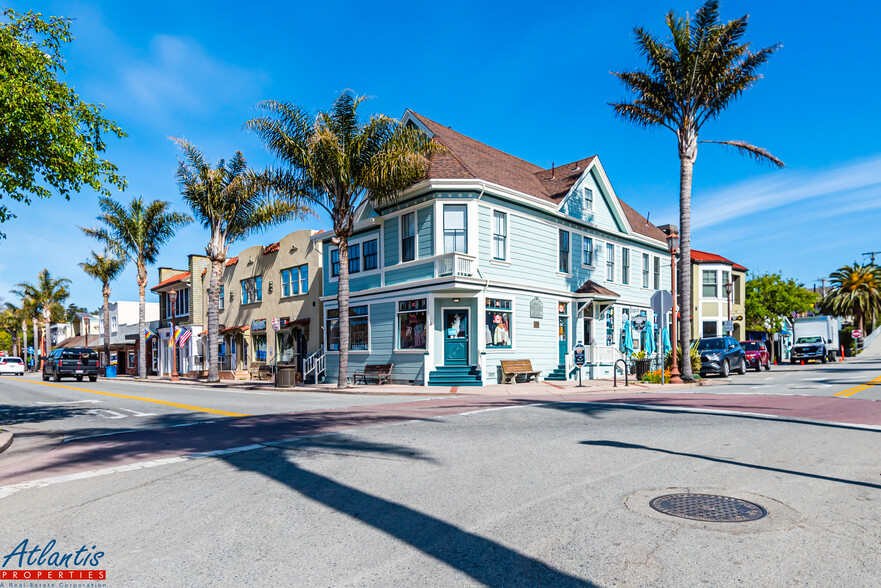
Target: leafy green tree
856 292
49 138
10 326
692 77
231 202
137 233
47 296
336 162
104 267
71 311
770 298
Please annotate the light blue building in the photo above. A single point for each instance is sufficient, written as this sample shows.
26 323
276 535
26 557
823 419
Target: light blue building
492 258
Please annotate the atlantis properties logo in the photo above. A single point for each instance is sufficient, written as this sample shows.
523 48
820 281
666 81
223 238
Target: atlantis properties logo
29 562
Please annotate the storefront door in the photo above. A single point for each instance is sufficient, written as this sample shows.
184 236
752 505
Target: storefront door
455 336
564 331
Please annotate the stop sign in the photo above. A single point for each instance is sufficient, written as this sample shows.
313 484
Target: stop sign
856 333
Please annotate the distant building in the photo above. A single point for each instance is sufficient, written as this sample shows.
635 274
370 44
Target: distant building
717 285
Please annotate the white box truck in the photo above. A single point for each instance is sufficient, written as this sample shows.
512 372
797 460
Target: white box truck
815 337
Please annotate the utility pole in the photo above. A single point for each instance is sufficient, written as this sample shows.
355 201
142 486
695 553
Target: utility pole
822 286
871 255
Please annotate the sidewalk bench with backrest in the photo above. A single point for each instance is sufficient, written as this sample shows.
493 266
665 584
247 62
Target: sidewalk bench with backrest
259 371
382 372
513 368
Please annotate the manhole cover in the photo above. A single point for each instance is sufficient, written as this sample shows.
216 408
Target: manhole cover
708 507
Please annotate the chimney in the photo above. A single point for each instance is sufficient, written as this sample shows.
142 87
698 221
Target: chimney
553 172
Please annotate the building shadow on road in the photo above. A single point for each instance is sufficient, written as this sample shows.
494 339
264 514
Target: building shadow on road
482 559
16 414
624 445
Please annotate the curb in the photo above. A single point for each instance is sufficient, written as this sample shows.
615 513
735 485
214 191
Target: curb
5 440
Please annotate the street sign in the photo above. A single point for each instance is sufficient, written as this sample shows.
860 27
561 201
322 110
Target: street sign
662 302
727 326
30 350
856 333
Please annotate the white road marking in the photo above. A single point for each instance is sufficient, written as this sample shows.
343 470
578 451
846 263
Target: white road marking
500 408
69 402
101 413
768 378
137 413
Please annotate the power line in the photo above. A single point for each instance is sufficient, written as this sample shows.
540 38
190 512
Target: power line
871 255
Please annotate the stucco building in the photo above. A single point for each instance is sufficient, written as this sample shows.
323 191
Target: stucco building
718 284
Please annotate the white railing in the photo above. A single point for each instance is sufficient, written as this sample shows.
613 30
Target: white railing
454 264
315 364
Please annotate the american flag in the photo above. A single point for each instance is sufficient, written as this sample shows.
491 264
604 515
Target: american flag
185 334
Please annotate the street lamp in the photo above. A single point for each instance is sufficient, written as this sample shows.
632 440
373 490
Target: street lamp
728 296
172 298
672 246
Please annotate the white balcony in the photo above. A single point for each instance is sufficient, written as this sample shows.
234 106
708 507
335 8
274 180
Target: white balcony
454 264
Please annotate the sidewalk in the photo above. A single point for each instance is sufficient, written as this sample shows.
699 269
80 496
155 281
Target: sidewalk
562 388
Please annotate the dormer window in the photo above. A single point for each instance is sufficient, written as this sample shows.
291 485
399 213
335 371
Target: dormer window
588 198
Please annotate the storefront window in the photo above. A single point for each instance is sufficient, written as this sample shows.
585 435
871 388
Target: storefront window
259 347
358 329
498 323
610 326
412 322
285 346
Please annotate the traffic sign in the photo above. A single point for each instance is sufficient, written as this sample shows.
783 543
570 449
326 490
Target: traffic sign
856 333
727 326
661 302
30 350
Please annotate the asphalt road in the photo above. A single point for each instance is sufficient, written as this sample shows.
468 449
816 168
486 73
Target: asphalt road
372 491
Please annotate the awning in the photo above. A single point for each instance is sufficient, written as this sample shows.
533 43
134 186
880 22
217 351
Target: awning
596 292
233 329
300 321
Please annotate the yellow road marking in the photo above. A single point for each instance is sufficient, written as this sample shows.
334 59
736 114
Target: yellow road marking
153 400
860 388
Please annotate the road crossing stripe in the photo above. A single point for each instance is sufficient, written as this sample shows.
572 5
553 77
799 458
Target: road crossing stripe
851 391
153 400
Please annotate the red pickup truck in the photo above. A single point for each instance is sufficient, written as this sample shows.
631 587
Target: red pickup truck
757 355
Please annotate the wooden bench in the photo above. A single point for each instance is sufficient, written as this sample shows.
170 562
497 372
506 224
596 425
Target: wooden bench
259 371
513 368
382 372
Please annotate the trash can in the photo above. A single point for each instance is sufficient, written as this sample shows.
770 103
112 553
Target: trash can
286 376
110 371
643 366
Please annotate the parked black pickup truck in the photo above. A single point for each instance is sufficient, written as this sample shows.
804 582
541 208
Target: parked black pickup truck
75 362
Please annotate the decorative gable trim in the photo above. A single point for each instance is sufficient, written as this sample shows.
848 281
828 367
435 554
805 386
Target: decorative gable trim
596 171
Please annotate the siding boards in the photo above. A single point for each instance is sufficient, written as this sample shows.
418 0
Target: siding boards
392 242
425 239
422 271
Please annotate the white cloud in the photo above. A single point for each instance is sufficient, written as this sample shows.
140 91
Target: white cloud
789 187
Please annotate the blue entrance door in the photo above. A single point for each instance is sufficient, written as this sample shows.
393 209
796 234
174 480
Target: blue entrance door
455 337
563 331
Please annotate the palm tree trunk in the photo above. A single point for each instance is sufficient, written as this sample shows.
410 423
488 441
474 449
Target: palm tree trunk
142 334
686 168
106 292
24 345
343 303
214 320
47 322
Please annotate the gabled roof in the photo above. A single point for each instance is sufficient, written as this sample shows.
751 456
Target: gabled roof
705 257
467 158
591 287
171 280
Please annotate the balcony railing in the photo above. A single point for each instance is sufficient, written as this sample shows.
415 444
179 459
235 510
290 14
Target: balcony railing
454 264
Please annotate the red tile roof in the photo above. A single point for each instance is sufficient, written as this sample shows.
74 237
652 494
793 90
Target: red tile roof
272 248
232 260
170 280
470 159
703 256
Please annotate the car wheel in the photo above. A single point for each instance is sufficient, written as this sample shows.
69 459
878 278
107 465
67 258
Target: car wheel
45 377
823 359
726 369
93 378
79 378
768 366
56 377
758 366
742 368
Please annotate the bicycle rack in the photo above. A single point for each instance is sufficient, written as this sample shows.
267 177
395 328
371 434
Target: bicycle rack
615 373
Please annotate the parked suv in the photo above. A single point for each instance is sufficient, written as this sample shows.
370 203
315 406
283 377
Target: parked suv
720 354
757 355
75 362
11 365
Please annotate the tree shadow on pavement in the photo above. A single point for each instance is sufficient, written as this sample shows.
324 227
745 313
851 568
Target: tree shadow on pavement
623 445
482 559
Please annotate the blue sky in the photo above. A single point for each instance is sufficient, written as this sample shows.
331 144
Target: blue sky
530 79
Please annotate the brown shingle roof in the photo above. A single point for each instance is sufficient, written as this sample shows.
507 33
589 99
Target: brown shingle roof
467 158
591 287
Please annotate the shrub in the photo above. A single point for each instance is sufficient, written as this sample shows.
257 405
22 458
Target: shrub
695 360
655 377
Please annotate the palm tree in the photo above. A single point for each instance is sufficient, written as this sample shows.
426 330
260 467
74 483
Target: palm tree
46 296
856 292
692 77
231 202
10 324
137 233
334 161
104 267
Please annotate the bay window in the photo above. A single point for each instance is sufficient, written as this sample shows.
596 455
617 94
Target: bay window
455 228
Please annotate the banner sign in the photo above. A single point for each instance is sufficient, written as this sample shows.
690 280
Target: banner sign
258 325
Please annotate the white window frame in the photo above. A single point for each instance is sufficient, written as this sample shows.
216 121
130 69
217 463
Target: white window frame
593 251
501 237
428 330
646 270
610 262
715 283
560 232
587 198
625 265
513 300
359 241
466 229
656 272
298 281
401 237
258 290
369 330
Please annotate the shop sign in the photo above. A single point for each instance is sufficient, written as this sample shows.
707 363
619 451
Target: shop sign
258 325
578 355
536 308
639 322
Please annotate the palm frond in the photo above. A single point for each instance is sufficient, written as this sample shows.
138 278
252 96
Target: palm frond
757 153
